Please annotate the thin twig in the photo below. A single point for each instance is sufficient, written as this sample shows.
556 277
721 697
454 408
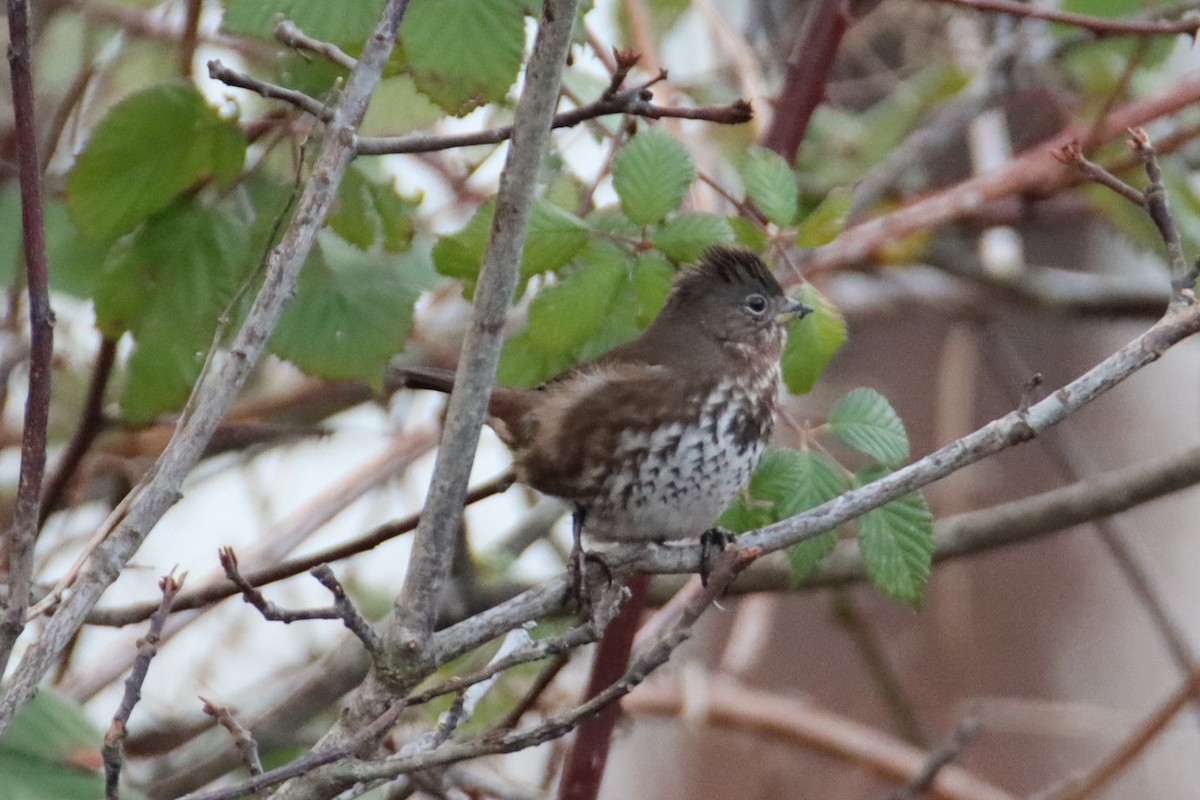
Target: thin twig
1098 26
290 567
512 717
243 740
289 33
230 77
1034 172
346 612
1120 759
1183 277
190 37
341 609
939 759
728 705
883 673
147 647
635 101
91 422
19 567
1072 154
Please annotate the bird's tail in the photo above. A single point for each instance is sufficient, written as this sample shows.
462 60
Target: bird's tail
431 378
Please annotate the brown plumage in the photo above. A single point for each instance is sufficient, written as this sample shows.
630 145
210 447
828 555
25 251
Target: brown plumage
654 438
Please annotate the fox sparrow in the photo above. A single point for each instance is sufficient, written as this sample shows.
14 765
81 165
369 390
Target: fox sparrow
653 439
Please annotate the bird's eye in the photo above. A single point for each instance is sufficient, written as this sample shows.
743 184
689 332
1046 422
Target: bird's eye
756 303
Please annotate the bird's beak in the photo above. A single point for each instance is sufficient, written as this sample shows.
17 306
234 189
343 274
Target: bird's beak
790 310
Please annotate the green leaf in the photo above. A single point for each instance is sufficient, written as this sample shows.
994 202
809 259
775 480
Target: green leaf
812 341
43 753
170 298
794 481
460 255
897 547
685 237
770 185
75 262
150 147
347 24
553 239
651 174
353 217
352 311
866 421
749 234
585 313
826 221
370 213
786 483
652 281
462 53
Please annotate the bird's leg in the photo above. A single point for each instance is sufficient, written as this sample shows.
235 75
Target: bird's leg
579 559
712 541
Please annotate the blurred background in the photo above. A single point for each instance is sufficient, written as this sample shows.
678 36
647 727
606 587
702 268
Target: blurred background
1045 655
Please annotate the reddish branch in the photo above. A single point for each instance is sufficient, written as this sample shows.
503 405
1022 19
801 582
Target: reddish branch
584 766
41 335
808 71
91 421
1036 173
1099 26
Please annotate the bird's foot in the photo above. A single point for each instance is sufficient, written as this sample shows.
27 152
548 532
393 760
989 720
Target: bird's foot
712 542
580 560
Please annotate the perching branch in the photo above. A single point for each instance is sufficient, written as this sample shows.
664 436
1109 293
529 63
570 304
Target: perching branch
337 773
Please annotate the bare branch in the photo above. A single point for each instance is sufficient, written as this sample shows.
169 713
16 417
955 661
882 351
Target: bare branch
289 33
294 566
218 71
1072 154
19 566
429 564
1035 172
243 740
1098 26
941 758
342 608
635 101
1116 762
727 565
217 388
729 705
112 751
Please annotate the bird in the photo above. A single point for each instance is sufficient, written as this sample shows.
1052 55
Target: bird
652 440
